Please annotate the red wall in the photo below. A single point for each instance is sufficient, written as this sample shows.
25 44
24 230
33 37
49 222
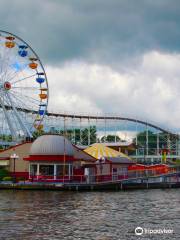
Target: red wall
20 174
158 168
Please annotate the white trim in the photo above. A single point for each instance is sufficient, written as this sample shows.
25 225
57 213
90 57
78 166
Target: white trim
37 175
55 171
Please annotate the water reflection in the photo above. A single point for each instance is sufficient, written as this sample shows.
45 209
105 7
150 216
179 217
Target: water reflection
87 215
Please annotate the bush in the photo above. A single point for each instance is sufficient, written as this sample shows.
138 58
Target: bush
3 173
8 178
21 179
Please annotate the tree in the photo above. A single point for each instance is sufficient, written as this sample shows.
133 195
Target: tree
84 136
89 135
38 133
150 140
3 173
110 138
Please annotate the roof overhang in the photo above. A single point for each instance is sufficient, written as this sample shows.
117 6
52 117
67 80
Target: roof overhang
49 158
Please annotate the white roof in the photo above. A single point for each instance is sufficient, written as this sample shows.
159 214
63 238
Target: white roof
116 144
51 145
107 144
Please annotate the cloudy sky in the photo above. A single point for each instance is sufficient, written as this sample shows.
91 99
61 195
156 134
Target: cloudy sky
105 56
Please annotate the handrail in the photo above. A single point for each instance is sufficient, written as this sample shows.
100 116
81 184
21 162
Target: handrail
103 178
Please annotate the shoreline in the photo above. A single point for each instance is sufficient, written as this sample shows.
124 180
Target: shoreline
90 187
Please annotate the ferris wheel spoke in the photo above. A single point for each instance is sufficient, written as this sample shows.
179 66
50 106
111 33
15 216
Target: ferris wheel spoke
25 129
27 88
26 97
9 66
3 59
13 70
20 103
22 79
15 75
4 70
6 66
11 73
9 122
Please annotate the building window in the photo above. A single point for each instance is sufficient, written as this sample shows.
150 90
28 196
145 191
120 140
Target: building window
122 170
33 169
60 169
46 170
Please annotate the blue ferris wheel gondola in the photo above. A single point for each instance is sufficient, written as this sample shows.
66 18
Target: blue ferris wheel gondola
23 53
23 47
43 105
40 80
22 50
40 74
41 112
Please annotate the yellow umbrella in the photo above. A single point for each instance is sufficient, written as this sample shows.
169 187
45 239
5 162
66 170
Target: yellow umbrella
98 151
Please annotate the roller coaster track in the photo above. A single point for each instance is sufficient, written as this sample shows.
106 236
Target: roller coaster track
77 116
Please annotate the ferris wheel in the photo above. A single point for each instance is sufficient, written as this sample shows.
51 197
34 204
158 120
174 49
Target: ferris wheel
23 88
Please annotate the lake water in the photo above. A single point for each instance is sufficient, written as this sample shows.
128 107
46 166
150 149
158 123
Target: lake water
49 215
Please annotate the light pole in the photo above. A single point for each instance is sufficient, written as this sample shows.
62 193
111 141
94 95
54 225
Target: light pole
14 157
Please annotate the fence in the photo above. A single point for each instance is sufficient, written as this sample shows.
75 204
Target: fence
131 174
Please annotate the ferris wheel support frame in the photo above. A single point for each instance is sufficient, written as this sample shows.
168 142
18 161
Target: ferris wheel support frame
25 129
14 136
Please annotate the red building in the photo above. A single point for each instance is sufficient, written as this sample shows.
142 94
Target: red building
53 157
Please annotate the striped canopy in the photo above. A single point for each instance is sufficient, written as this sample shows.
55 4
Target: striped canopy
98 151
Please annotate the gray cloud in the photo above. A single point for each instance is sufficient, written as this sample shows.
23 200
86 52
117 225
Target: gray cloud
100 31
150 91
125 53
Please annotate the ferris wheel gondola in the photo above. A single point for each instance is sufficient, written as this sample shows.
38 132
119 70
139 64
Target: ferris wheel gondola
23 85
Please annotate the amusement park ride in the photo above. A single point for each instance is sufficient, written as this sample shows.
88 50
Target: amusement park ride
24 97
23 85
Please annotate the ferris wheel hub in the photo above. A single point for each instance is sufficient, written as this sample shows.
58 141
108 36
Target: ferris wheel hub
7 85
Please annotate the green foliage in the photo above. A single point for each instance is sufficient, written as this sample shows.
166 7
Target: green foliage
110 138
6 138
177 162
20 179
3 173
89 132
8 178
76 135
149 139
37 134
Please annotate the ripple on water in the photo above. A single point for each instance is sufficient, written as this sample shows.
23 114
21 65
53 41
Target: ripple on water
26 215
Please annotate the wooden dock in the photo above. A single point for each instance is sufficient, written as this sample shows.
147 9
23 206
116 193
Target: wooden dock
155 182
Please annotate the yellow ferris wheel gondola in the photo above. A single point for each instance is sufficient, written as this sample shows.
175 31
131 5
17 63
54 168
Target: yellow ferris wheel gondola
9 43
39 127
43 95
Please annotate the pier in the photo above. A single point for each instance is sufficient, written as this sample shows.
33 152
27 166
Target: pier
171 180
